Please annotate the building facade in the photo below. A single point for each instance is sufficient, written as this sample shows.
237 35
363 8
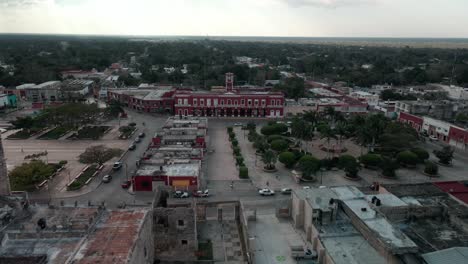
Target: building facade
230 102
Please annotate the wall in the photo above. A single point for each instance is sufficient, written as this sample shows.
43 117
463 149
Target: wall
297 211
143 252
171 240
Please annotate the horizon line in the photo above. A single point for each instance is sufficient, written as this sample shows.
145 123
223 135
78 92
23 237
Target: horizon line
229 36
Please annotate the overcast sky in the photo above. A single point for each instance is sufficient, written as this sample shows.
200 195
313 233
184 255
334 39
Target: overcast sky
310 18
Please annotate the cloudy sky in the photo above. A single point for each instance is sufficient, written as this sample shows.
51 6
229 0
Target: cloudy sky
314 18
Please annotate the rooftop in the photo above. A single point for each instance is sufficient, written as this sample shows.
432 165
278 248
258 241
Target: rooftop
143 94
113 239
356 201
318 198
182 169
44 85
455 255
71 234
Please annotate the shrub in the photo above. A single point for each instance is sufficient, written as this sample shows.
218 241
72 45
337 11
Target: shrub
243 172
272 129
251 125
229 130
232 135
132 124
407 158
371 160
309 166
236 151
445 155
279 145
344 160
239 160
63 162
261 145
389 166
351 167
273 137
287 158
421 153
431 168
234 142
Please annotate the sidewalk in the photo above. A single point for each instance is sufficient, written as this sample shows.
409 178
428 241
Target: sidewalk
276 180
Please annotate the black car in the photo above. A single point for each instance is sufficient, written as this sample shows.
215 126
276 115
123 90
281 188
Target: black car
141 135
132 147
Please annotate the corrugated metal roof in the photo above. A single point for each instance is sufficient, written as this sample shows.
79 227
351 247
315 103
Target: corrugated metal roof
455 255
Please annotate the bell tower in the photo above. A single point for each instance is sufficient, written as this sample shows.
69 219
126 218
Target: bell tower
229 81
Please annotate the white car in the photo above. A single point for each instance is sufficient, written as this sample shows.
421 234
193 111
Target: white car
433 138
266 192
238 124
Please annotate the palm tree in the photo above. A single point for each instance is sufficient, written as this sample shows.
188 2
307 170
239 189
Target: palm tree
269 158
341 130
371 131
327 133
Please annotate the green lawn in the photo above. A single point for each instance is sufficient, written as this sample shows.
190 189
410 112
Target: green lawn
24 134
80 181
56 133
90 132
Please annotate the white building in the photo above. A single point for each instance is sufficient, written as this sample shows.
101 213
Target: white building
370 99
454 92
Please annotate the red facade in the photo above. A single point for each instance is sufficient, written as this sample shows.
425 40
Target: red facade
229 104
415 121
458 134
145 183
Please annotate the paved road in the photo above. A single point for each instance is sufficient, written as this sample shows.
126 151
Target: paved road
113 195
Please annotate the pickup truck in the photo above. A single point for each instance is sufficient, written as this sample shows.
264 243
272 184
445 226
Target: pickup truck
303 254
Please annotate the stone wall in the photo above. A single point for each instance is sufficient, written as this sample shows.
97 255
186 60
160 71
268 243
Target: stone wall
175 233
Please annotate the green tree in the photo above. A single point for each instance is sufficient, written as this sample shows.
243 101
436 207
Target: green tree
99 154
422 154
269 158
389 166
287 158
25 176
407 158
431 168
371 160
309 166
279 145
445 155
115 108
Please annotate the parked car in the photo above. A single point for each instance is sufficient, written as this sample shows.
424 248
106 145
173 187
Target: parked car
237 124
201 193
141 135
117 165
126 184
181 194
132 147
433 138
106 178
266 192
286 191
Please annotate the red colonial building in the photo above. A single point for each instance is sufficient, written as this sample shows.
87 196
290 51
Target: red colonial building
231 102
414 121
147 100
